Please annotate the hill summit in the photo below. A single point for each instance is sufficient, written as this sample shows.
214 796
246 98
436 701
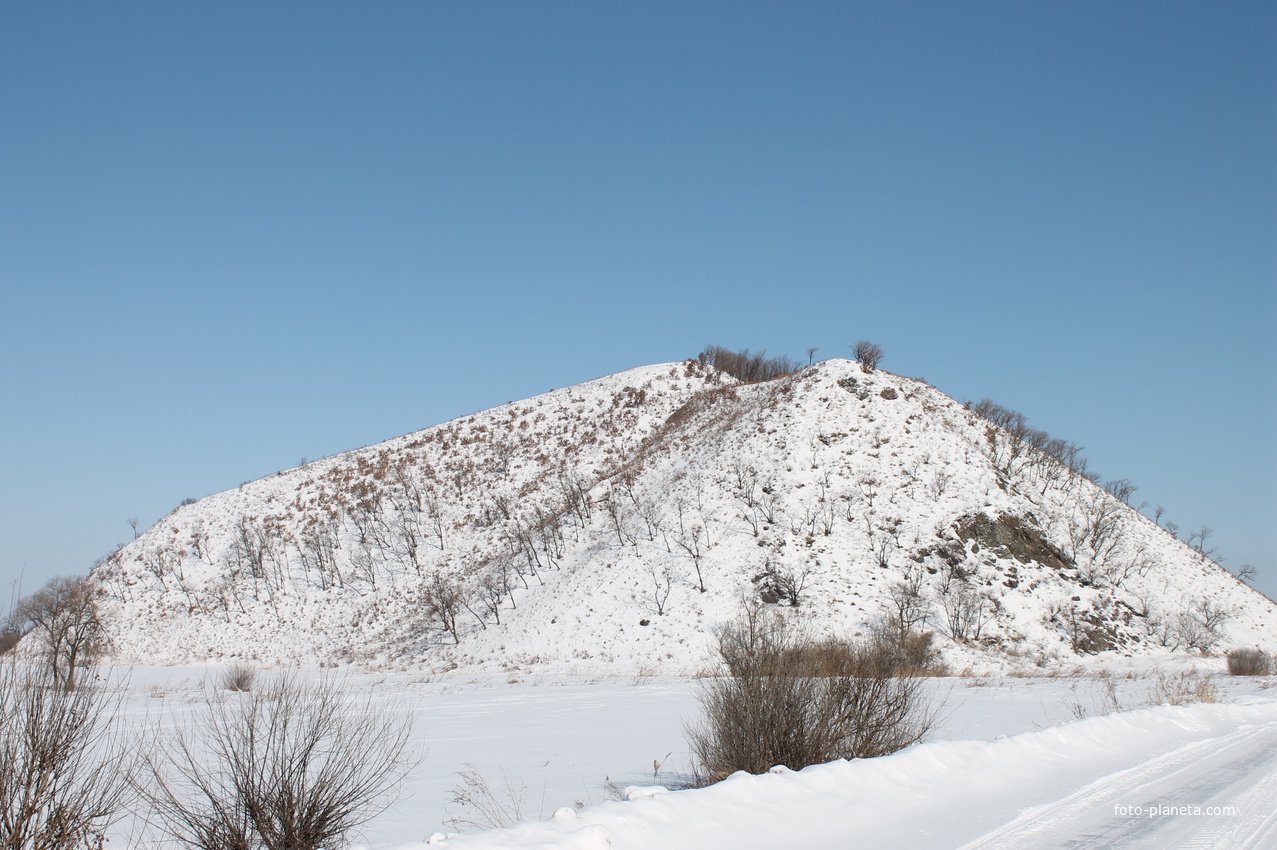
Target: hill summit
613 525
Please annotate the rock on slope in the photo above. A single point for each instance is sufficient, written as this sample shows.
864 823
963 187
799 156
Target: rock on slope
610 526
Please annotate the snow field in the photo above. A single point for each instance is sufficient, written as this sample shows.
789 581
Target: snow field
1006 746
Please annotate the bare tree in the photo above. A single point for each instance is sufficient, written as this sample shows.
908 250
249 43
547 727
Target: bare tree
64 773
906 607
1197 540
494 587
692 539
965 610
869 354
658 594
1121 489
287 767
63 619
444 599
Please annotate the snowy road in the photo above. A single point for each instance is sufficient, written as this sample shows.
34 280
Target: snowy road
1201 776
1217 793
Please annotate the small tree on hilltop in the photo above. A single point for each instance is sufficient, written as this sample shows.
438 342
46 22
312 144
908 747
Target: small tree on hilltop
869 354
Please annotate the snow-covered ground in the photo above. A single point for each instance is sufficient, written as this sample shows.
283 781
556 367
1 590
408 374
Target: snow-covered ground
1011 766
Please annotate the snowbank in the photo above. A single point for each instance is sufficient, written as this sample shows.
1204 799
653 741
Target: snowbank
937 795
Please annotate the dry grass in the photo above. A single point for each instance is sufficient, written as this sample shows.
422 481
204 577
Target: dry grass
483 807
1184 688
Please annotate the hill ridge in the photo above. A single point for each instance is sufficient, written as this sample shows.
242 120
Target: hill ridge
610 526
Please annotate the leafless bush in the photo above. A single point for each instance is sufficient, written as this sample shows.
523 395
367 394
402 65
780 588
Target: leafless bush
1249 662
794 702
286 767
239 677
1018 450
64 777
869 354
1162 628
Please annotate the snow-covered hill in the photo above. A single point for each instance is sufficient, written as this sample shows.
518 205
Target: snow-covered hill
610 526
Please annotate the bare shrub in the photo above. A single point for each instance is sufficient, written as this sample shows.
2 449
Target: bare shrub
286 767
64 777
747 366
1249 662
869 354
1182 688
795 702
239 677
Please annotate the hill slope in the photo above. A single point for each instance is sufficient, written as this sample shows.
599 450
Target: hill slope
610 526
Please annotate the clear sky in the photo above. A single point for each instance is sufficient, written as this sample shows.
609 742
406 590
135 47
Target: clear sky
233 235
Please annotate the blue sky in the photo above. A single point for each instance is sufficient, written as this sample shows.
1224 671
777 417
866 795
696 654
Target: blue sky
234 235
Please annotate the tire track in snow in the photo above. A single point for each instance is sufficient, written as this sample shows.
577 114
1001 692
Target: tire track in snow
1237 770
